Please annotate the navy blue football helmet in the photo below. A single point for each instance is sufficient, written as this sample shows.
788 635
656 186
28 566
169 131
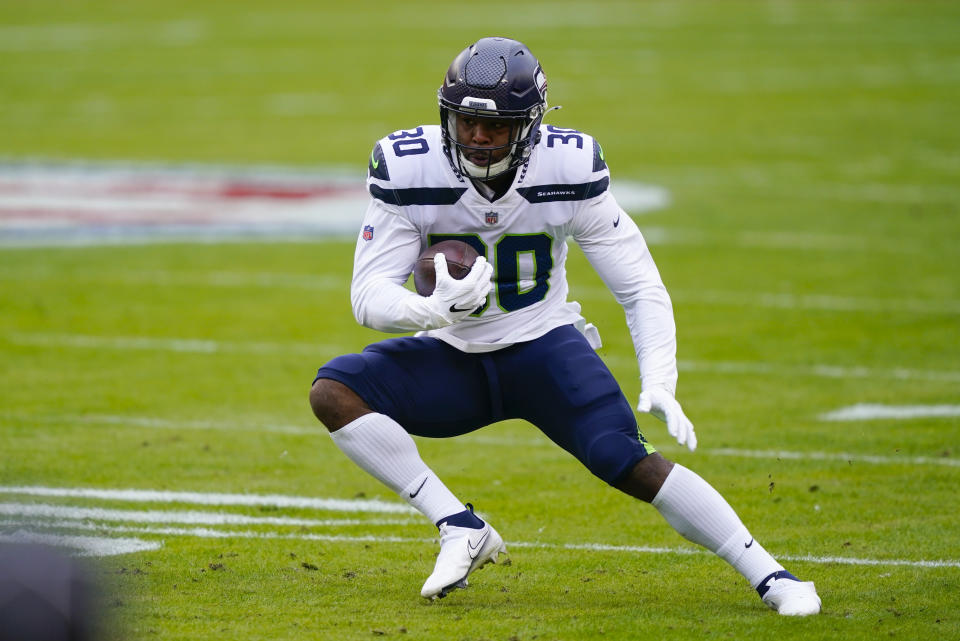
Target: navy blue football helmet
493 78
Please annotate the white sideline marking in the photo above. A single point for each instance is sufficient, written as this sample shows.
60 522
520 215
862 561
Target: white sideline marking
164 516
200 498
821 302
820 370
792 240
152 422
84 545
186 345
835 456
817 370
167 424
869 411
846 457
589 547
269 280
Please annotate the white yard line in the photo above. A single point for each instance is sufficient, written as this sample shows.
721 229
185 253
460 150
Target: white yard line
170 278
154 422
845 457
225 426
821 302
589 547
207 498
475 438
84 545
788 240
775 300
186 345
207 346
816 370
871 411
834 456
40 510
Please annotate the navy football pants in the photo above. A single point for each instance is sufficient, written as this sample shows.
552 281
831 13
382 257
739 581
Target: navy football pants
557 382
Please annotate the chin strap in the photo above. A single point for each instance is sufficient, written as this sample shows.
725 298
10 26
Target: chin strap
483 173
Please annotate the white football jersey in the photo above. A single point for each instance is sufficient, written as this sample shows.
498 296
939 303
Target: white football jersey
562 192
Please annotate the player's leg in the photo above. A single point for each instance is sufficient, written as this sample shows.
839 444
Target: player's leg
585 412
371 403
701 515
381 447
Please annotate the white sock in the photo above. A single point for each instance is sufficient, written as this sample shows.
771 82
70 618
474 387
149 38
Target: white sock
379 445
701 515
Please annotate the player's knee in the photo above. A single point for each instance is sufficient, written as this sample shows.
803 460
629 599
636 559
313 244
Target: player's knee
611 456
646 477
334 404
319 397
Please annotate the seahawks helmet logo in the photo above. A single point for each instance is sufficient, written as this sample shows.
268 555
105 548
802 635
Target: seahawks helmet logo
540 80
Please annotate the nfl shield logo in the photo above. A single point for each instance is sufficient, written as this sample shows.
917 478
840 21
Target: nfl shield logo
491 217
368 232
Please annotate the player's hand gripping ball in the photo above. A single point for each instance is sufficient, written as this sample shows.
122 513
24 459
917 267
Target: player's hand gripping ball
460 258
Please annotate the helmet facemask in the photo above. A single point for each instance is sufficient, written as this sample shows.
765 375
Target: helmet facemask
489 161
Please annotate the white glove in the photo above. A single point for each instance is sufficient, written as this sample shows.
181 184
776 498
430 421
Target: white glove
663 405
453 300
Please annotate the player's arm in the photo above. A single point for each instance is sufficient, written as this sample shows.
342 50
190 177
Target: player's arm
615 247
385 254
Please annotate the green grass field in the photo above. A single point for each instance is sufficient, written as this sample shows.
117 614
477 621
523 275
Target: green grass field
812 154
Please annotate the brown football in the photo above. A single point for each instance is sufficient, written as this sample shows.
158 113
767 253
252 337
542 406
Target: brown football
460 258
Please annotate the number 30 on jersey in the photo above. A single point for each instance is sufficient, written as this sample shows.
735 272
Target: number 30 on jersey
510 250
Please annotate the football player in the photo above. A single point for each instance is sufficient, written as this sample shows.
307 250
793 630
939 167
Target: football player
504 342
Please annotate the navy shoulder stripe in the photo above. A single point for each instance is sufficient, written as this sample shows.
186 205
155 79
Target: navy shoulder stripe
418 195
378 166
552 193
599 164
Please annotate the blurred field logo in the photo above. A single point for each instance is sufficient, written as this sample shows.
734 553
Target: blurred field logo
82 203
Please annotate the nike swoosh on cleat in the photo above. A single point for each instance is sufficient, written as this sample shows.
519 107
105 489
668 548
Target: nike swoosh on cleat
474 550
615 223
746 545
413 494
455 309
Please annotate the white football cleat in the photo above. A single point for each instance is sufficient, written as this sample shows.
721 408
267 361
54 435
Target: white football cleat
788 595
462 550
